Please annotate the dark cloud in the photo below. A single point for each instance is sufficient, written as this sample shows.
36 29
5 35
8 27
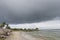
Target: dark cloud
28 11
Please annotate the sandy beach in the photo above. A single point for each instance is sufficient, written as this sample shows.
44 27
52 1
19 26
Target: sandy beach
17 35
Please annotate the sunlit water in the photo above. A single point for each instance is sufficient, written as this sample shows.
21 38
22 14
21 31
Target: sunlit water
46 34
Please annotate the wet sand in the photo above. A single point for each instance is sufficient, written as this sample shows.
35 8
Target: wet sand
17 35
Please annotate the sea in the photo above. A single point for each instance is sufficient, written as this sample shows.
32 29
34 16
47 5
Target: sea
46 34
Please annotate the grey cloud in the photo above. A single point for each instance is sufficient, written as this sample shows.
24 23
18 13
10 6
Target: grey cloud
28 11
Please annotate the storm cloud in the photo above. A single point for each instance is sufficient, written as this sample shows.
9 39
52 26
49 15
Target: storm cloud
28 11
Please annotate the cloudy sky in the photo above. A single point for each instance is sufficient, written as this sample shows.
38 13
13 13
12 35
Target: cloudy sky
29 11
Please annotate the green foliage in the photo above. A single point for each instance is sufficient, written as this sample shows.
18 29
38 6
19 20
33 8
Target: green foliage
36 29
8 27
2 25
20 29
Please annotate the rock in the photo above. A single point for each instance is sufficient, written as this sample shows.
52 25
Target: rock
4 33
2 36
7 31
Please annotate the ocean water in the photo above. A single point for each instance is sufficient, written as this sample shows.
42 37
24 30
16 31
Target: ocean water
46 34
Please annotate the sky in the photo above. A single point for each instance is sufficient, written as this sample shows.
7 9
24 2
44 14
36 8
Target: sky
29 11
52 24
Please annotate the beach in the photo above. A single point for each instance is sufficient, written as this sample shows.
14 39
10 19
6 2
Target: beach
35 35
17 35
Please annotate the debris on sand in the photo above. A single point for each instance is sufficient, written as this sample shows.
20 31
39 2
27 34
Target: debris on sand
4 33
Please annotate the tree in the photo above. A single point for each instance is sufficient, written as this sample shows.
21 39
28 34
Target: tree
2 25
36 29
21 29
7 27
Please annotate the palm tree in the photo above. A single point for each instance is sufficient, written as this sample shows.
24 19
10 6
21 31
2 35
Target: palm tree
7 26
2 25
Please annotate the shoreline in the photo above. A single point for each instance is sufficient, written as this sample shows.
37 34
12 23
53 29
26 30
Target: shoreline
19 35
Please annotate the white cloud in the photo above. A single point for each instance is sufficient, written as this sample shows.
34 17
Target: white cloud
53 24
